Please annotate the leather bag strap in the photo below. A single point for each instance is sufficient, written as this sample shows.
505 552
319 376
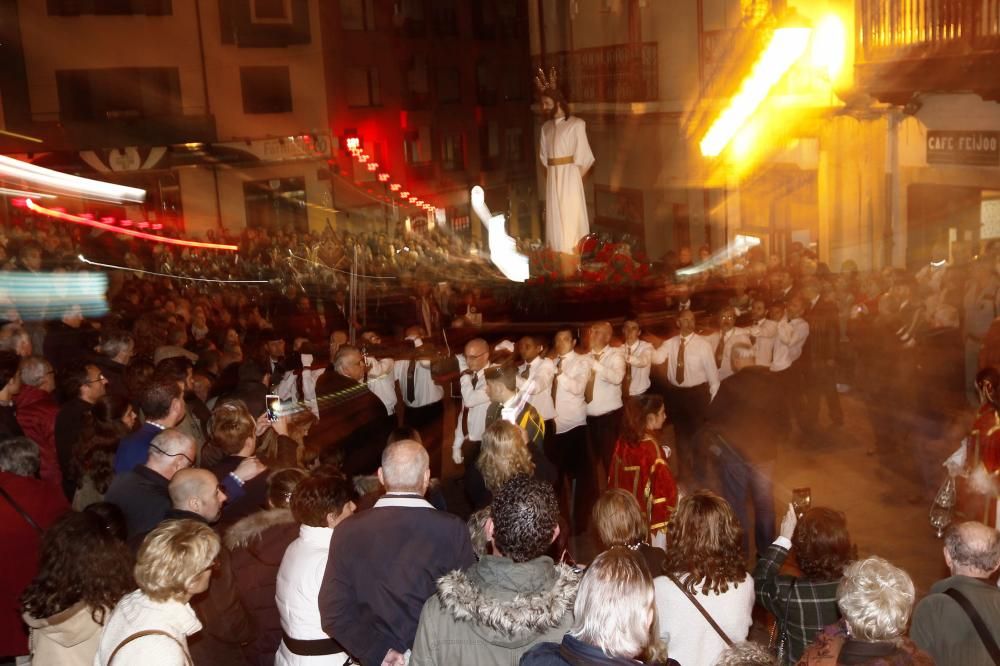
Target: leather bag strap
977 621
149 632
701 609
20 510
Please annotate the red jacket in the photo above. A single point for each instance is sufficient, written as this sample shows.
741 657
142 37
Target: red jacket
36 412
19 543
642 470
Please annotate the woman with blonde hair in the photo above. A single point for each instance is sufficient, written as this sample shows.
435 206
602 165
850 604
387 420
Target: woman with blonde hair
876 600
706 577
151 625
504 454
619 522
615 617
639 463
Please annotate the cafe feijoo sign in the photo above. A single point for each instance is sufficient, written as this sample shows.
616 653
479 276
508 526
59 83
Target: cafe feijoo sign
964 147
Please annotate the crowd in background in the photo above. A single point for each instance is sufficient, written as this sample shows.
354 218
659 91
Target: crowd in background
214 474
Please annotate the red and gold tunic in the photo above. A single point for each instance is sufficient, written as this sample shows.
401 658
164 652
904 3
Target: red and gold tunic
642 470
985 436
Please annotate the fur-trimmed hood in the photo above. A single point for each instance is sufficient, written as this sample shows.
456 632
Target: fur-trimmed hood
509 604
249 529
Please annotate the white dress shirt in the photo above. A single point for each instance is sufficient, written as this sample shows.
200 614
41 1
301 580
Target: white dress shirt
477 402
381 381
425 391
733 335
764 332
571 384
540 373
639 355
297 592
788 344
609 368
699 362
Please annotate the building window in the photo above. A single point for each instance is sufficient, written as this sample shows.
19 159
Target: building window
109 7
417 87
486 83
266 89
271 11
489 145
514 144
410 17
452 152
515 84
363 87
357 14
118 93
449 87
445 17
417 146
278 204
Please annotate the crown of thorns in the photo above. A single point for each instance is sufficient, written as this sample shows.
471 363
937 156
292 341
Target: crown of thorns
548 83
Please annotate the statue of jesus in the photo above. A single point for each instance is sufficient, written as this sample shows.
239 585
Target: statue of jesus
566 155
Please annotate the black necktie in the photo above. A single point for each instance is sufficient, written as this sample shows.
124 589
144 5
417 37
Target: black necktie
411 375
679 376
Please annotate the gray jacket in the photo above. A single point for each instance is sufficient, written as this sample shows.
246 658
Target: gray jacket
494 612
943 630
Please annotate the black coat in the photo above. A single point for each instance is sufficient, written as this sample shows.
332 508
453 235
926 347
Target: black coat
572 652
67 432
750 414
254 492
352 419
142 496
387 565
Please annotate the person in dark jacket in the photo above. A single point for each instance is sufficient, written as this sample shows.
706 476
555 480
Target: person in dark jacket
618 519
226 625
82 385
351 417
70 340
251 388
234 434
19 539
162 405
142 494
384 562
10 386
116 350
615 619
258 543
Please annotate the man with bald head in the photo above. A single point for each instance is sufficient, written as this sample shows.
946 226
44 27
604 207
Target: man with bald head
195 494
941 625
475 401
384 562
142 493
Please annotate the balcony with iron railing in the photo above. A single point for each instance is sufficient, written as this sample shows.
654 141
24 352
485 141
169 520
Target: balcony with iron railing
908 46
620 73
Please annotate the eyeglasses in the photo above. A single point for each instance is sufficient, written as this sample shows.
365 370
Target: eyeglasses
172 455
100 378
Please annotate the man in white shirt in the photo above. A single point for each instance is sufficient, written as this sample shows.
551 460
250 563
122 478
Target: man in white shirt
792 333
603 392
694 379
569 384
722 341
534 376
638 359
763 333
471 420
379 371
421 396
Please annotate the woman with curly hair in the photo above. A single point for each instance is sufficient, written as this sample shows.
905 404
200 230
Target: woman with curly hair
83 572
704 564
111 418
804 605
639 463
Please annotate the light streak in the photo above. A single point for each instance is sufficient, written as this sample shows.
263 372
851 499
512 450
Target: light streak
67 217
37 296
47 179
23 193
503 248
167 275
741 243
25 137
785 48
340 270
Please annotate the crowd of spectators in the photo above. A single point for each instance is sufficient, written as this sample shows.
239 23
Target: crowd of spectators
214 475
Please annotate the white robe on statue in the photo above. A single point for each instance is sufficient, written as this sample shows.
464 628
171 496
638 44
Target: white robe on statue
565 202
